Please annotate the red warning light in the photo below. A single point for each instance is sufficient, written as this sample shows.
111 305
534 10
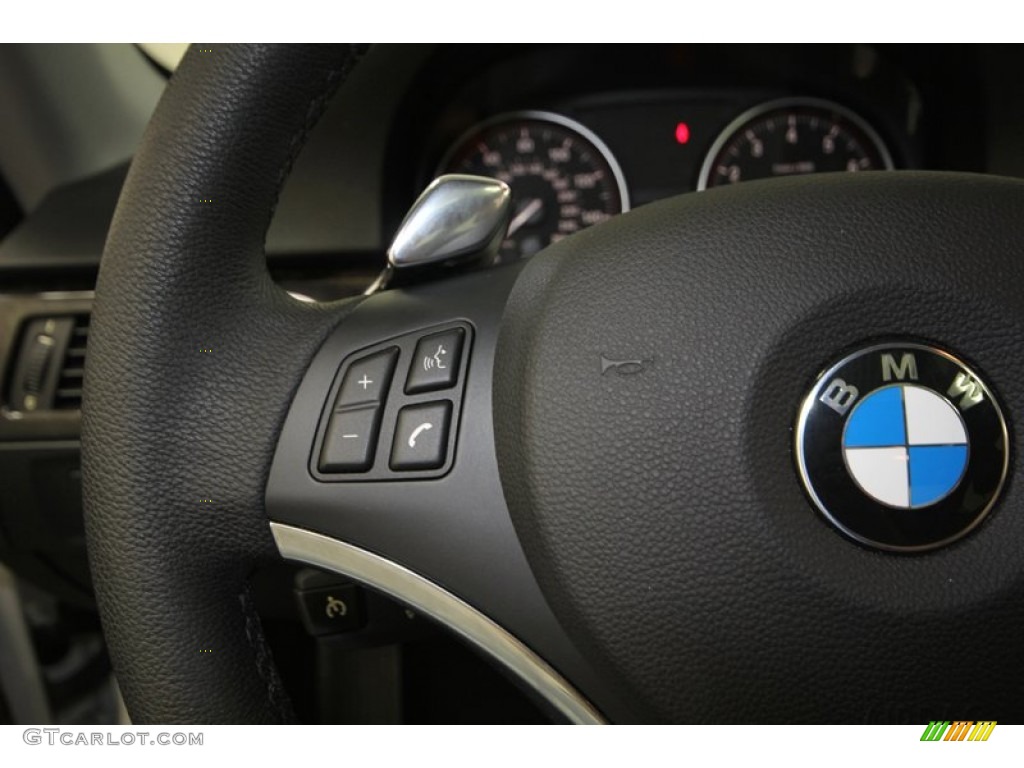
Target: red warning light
682 133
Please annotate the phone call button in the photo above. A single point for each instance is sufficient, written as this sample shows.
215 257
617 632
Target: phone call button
421 436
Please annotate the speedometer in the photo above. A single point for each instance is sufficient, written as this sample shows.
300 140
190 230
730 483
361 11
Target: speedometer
563 177
792 137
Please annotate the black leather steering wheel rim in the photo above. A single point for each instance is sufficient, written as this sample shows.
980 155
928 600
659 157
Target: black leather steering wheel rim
169 567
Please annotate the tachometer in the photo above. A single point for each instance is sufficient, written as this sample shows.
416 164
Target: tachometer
563 177
791 137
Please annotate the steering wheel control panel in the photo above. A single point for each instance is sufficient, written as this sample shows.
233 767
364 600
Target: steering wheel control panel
393 409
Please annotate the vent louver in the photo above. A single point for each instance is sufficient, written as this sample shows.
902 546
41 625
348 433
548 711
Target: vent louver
49 365
68 394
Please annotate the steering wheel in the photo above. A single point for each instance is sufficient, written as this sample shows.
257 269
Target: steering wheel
606 502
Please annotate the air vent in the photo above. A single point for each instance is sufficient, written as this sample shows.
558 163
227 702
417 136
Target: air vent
68 395
50 364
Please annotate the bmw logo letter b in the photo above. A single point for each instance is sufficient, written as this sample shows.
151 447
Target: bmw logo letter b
902 447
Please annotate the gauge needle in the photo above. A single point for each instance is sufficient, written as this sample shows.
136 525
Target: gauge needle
524 215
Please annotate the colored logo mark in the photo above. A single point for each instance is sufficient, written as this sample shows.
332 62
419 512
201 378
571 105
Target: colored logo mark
905 446
960 730
902 447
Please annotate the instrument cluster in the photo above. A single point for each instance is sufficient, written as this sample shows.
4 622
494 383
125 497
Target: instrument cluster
570 170
582 133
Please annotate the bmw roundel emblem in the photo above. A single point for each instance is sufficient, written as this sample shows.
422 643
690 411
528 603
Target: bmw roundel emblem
902 447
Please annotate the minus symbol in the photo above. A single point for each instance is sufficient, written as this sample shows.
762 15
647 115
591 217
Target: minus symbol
349 437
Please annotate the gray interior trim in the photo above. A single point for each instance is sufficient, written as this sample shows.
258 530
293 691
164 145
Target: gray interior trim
52 295
430 599
71 111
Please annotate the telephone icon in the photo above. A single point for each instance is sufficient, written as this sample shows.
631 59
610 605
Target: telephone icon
418 431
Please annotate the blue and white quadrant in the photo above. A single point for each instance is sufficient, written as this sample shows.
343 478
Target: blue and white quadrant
905 446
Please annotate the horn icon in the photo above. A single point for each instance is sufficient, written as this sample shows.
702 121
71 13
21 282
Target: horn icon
624 367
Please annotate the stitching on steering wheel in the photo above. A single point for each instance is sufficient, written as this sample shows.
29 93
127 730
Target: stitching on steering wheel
265 667
317 104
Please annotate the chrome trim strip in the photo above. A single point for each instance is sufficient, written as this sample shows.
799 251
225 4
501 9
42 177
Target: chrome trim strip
52 295
425 596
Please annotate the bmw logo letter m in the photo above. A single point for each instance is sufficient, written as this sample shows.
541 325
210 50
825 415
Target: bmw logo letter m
902 447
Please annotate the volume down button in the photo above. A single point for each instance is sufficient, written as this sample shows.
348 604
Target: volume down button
350 441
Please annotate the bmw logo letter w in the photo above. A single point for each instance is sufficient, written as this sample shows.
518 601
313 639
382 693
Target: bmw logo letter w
902 447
